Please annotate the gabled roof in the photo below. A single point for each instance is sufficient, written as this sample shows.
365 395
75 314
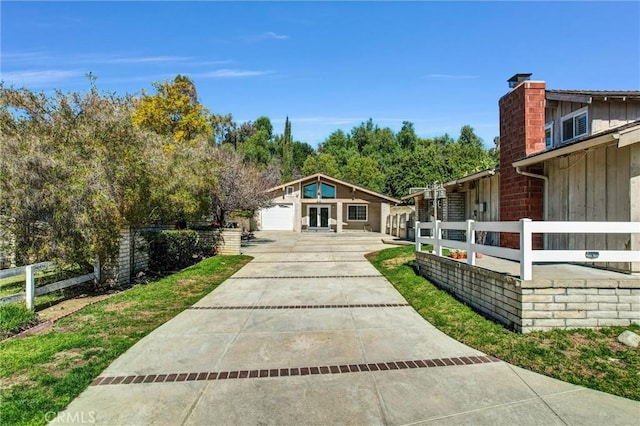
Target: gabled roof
321 176
586 96
463 179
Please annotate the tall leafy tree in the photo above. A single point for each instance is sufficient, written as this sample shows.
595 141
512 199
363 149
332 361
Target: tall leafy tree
340 146
407 137
364 171
301 151
173 110
322 163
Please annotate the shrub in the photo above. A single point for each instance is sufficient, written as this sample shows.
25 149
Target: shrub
172 250
15 317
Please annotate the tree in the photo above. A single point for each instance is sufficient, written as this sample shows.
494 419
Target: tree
223 127
240 186
255 148
301 151
174 110
407 136
322 163
287 152
264 124
73 171
340 146
364 171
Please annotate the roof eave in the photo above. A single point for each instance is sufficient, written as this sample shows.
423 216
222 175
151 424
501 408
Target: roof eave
566 150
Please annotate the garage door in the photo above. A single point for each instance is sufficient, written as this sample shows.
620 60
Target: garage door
277 218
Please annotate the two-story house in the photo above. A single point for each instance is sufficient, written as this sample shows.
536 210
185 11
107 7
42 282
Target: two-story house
570 155
565 155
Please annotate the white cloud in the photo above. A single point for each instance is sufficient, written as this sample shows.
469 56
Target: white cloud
271 34
39 77
231 73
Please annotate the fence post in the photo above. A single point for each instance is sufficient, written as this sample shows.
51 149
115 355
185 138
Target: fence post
471 238
526 245
417 236
437 235
30 286
96 270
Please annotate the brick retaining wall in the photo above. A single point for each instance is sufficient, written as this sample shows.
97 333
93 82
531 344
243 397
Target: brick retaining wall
527 306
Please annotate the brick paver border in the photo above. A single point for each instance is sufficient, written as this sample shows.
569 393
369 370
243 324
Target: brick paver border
358 305
297 371
305 277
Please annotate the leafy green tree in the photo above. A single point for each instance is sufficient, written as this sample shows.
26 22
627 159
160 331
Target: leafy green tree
74 170
264 124
340 146
362 135
383 146
174 110
256 148
364 171
322 163
407 137
301 151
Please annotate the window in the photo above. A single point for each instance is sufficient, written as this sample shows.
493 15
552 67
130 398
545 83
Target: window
310 191
574 125
357 213
548 135
290 191
326 191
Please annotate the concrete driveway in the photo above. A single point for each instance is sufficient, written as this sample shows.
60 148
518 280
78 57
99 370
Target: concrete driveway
310 333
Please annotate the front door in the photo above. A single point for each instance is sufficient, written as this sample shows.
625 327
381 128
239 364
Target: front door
318 217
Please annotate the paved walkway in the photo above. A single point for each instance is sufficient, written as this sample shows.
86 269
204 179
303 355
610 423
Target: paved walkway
310 333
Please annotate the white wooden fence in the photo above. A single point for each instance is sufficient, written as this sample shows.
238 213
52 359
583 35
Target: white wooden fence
526 255
31 291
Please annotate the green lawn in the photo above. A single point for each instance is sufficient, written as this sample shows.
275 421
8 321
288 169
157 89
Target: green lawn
591 358
43 373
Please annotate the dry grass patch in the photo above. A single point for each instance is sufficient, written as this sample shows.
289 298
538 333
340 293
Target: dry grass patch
397 261
119 306
15 380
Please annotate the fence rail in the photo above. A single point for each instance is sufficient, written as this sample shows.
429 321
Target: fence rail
526 255
31 291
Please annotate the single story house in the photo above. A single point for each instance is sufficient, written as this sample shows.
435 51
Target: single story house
324 203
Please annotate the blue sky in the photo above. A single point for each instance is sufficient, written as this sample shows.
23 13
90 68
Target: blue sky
328 65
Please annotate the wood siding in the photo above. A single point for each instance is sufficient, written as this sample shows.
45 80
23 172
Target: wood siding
601 115
591 185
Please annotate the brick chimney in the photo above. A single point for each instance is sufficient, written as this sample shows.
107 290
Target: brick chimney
522 122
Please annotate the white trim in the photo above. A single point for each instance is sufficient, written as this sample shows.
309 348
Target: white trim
335 190
290 191
319 196
571 116
318 206
366 212
548 126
